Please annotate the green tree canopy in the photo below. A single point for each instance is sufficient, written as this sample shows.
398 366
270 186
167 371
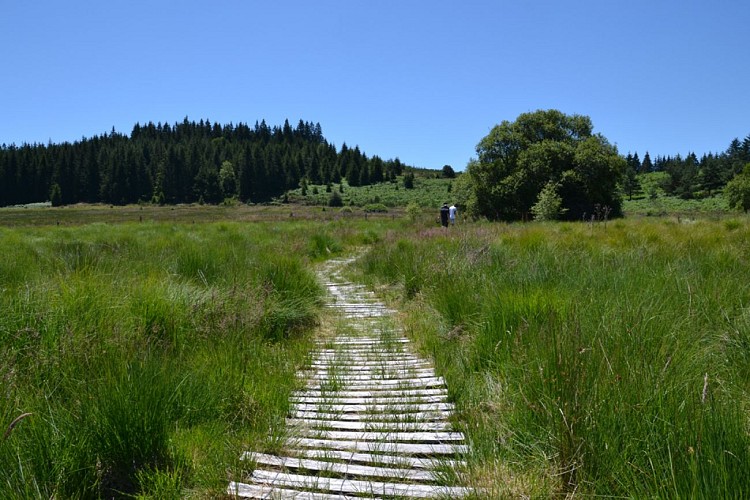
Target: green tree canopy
448 172
548 206
228 179
631 185
517 159
737 190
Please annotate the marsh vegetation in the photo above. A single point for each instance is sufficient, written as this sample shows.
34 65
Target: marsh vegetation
598 359
591 359
142 358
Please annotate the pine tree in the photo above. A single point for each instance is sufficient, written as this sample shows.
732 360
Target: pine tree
646 165
636 163
710 174
246 175
335 200
631 183
206 185
55 195
409 180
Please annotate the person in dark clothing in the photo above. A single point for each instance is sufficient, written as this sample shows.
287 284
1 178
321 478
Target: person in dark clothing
444 211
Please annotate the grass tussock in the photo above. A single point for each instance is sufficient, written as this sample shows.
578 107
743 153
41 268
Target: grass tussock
603 360
142 359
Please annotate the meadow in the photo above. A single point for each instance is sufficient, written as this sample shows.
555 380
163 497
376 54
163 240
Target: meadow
140 359
429 191
653 201
594 360
145 348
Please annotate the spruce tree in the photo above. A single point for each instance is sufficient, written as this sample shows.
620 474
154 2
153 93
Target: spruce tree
631 184
646 165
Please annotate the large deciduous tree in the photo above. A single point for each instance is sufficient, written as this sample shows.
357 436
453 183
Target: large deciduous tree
517 159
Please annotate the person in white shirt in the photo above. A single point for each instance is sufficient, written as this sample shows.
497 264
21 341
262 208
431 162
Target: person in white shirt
452 211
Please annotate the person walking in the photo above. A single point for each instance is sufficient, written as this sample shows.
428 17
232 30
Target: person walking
452 212
444 211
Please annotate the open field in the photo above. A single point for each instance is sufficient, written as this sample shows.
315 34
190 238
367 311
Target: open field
181 214
591 360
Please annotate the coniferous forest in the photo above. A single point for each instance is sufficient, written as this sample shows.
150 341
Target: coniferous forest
206 162
690 176
184 163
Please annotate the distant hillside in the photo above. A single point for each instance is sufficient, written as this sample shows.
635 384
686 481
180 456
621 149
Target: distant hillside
429 189
184 163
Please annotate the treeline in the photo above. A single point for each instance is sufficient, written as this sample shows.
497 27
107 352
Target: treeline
184 163
690 177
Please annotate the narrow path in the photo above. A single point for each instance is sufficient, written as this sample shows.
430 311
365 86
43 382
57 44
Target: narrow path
372 421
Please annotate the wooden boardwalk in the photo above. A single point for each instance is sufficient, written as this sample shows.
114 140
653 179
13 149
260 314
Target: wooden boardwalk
372 421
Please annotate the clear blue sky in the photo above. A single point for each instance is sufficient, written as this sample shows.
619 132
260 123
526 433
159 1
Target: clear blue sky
415 79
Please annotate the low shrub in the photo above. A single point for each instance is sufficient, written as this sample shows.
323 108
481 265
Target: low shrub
376 208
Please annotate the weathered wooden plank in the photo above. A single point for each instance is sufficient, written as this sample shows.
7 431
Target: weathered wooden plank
387 436
375 360
372 308
379 447
366 397
374 325
360 360
367 401
405 461
356 341
360 341
367 357
264 491
345 366
350 381
434 415
373 376
345 370
355 425
355 486
386 375
354 385
353 369
365 353
360 303
395 392
362 356
357 382
349 469
341 366
376 408
367 350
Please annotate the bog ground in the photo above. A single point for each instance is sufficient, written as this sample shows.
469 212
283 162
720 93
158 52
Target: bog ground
578 359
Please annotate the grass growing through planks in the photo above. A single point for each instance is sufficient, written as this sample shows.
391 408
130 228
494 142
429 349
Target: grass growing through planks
597 360
146 357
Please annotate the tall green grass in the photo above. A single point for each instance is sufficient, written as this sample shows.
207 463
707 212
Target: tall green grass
600 360
150 355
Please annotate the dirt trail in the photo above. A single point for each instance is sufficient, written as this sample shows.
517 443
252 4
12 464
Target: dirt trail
372 420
